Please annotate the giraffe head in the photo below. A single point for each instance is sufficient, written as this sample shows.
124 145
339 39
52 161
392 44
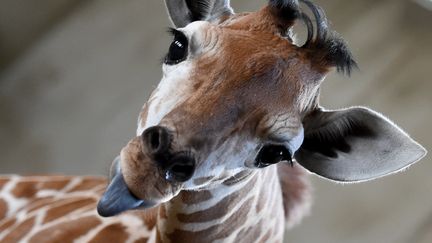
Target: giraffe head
238 95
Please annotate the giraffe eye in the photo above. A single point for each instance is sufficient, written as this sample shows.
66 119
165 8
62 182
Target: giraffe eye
272 154
178 49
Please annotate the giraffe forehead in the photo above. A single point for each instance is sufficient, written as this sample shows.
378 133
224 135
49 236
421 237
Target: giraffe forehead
222 57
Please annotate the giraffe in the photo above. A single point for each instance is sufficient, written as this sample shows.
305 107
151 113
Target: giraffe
225 143
62 209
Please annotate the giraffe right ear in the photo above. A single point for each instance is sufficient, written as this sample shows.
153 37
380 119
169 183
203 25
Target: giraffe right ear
183 12
355 144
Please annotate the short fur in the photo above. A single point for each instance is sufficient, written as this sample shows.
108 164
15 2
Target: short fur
243 88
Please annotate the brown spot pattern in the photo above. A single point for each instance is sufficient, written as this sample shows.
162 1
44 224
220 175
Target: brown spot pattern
3 209
195 197
66 232
20 230
40 203
215 232
220 209
25 189
3 182
5 224
111 233
54 184
88 183
64 209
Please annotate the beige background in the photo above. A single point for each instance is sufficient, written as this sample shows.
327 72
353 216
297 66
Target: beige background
74 74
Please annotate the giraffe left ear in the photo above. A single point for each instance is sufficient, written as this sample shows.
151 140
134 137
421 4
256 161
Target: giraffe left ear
355 144
183 12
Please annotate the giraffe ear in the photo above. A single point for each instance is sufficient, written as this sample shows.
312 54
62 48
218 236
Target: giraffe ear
355 144
183 12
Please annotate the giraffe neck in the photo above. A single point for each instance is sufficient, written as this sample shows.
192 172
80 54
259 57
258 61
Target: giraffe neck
244 210
249 210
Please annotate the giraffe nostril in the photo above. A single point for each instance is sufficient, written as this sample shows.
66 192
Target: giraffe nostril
157 139
154 140
181 169
177 167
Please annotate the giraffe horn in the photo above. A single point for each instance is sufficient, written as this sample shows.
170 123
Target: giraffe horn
117 197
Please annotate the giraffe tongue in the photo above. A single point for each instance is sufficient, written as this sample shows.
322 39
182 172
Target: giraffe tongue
117 198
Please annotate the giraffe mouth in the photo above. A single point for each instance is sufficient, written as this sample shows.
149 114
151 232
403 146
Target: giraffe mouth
117 197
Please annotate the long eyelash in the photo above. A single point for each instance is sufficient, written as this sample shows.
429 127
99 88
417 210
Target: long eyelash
174 32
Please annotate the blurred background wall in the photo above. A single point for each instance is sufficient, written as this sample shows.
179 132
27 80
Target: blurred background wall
74 75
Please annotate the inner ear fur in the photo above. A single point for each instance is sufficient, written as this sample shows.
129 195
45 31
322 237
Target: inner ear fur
355 144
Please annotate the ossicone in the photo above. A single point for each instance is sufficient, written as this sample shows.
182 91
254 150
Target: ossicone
323 46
